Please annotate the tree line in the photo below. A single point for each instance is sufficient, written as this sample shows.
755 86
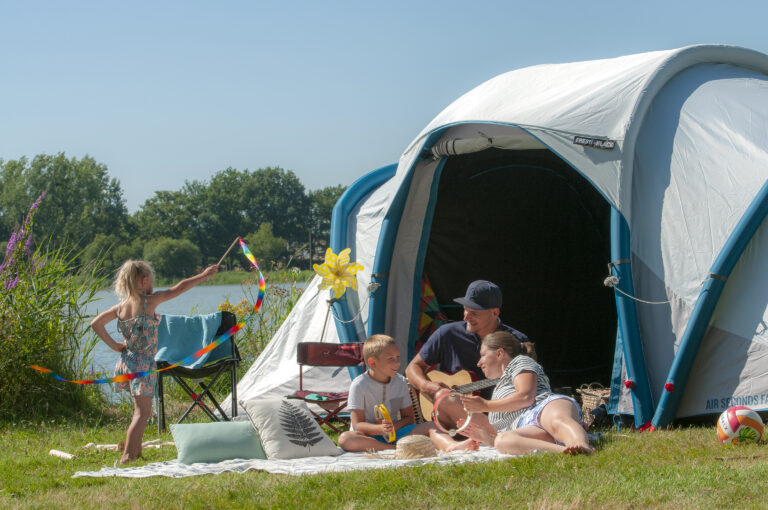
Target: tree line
178 230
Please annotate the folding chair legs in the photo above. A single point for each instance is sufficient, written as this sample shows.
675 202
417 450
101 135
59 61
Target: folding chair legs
330 414
160 404
197 398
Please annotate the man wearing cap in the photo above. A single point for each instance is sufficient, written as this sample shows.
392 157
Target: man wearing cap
456 346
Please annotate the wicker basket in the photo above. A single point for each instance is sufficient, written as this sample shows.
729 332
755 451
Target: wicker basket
593 395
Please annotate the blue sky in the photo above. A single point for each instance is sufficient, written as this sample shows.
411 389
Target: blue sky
168 91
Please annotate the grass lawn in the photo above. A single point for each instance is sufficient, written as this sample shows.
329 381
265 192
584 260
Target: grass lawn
680 468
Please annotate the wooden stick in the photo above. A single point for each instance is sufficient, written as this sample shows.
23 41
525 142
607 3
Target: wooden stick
228 250
61 455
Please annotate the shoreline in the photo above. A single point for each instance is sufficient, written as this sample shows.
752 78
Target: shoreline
235 277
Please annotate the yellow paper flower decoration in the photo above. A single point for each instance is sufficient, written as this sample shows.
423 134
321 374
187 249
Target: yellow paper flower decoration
338 272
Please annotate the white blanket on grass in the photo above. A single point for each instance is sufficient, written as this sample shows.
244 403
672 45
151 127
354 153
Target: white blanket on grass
304 466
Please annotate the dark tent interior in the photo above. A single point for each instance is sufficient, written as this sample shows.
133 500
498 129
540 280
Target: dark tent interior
527 221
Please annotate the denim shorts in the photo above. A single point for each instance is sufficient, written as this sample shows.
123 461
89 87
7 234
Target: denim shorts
532 415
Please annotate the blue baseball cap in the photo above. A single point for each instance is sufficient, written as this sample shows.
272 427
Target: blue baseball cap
481 295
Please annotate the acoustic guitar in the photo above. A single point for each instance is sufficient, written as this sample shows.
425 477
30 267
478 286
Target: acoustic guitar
461 382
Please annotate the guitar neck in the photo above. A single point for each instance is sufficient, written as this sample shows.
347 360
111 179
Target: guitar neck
474 386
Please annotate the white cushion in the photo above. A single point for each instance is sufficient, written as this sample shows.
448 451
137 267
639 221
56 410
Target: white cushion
287 429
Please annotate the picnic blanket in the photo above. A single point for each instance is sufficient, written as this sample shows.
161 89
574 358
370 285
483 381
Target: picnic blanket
303 466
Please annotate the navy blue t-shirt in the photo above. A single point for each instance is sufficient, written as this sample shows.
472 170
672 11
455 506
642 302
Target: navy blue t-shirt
455 349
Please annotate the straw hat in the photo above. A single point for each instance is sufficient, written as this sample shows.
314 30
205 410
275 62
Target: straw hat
415 447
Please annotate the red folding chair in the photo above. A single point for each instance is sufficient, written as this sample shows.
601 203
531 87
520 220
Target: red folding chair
320 354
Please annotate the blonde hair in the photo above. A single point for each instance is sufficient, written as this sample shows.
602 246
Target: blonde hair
509 343
128 277
375 345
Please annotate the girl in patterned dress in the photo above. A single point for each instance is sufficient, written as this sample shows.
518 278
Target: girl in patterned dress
137 323
523 413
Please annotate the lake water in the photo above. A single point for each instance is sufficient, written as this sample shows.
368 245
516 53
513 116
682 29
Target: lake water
196 301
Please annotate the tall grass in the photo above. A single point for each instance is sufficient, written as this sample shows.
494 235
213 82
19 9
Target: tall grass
43 322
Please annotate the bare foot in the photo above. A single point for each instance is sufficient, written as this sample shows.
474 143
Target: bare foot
479 434
578 449
468 444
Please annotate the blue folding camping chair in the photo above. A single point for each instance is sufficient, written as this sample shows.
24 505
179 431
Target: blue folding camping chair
178 337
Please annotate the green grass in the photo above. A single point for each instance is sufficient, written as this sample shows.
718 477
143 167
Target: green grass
680 468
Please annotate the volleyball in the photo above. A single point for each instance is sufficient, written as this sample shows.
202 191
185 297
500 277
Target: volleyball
739 424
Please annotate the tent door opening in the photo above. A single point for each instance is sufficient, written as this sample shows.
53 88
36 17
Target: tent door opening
527 221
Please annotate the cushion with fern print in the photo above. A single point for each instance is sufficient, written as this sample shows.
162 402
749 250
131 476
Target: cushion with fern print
287 429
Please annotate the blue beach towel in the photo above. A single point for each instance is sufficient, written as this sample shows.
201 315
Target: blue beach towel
179 336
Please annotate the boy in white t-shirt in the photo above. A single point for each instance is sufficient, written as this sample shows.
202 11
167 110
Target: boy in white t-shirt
382 384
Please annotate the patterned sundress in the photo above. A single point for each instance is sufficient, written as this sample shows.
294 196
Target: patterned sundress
140 334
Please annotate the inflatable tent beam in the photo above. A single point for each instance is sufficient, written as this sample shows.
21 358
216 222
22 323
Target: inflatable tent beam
421 257
629 330
382 262
705 305
342 212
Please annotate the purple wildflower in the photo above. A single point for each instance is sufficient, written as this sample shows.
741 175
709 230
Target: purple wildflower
36 204
14 247
28 245
11 243
10 284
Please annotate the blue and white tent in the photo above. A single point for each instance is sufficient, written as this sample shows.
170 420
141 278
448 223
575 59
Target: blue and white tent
650 167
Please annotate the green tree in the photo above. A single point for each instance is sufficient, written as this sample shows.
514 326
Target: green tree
240 201
164 215
233 203
266 247
113 250
82 200
320 210
172 258
278 197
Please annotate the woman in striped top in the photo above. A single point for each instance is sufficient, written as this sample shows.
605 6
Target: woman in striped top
523 413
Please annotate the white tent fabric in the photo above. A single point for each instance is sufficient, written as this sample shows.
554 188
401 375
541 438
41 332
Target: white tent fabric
690 134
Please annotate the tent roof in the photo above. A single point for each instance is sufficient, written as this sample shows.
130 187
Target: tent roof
600 99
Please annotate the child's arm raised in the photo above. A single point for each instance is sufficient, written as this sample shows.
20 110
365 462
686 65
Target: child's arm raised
183 286
99 326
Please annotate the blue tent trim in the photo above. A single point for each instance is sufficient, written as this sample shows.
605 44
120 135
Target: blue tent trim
420 257
705 305
342 212
383 259
385 246
628 334
618 359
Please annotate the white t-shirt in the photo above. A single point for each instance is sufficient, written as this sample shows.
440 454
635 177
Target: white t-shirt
365 393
